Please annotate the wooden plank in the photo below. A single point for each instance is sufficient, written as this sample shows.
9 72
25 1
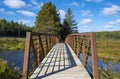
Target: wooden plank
60 63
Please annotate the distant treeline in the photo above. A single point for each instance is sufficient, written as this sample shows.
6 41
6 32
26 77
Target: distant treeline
109 35
13 29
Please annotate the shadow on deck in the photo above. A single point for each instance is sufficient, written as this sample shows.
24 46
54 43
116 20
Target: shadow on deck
58 59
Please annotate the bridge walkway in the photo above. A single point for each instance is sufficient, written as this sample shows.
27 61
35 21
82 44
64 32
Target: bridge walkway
60 63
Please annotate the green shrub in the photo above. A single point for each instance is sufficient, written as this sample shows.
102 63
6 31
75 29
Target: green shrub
8 73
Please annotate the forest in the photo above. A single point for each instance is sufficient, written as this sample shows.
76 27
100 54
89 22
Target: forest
13 29
113 35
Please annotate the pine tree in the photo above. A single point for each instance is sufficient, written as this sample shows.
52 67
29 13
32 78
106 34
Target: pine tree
69 17
65 30
69 25
48 19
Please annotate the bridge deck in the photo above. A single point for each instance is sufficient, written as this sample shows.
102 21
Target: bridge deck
60 63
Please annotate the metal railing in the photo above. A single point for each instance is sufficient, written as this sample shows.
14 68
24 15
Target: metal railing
85 43
36 47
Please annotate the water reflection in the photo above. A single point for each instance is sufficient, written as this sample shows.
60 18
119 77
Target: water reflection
13 57
16 57
103 65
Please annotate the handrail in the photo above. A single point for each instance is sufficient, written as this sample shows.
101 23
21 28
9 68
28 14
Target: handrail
85 43
36 47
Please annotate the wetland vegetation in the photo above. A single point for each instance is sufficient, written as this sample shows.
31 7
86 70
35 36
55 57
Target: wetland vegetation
12 43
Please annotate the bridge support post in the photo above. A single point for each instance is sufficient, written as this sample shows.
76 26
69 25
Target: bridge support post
94 56
26 56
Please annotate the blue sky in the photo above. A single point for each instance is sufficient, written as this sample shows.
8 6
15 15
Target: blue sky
91 15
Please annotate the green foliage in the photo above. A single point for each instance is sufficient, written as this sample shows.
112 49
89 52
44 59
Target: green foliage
13 29
3 66
69 25
48 19
115 35
65 30
12 43
69 18
8 73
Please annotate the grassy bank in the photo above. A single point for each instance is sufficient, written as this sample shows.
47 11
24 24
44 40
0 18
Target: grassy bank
12 43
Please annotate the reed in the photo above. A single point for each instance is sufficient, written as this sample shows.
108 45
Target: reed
12 43
108 50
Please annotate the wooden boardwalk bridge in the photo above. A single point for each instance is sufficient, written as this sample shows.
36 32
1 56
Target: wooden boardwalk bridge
46 58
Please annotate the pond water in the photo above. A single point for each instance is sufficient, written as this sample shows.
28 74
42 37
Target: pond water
13 57
103 65
16 58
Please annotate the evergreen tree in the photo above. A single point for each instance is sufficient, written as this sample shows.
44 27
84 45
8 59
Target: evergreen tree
69 25
48 19
69 17
13 28
65 30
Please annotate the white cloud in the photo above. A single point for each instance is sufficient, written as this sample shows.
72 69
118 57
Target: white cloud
37 4
114 9
14 3
86 21
82 5
112 24
2 10
9 12
75 4
27 13
86 13
34 2
62 14
109 25
117 21
97 1
24 21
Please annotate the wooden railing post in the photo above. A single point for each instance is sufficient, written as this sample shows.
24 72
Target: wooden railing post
26 56
94 56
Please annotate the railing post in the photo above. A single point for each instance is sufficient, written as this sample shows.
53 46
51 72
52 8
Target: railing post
94 56
50 41
26 56
46 40
83 51
77 44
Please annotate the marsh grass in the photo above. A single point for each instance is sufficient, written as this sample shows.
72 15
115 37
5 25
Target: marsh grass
107 74
12 43
108 50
